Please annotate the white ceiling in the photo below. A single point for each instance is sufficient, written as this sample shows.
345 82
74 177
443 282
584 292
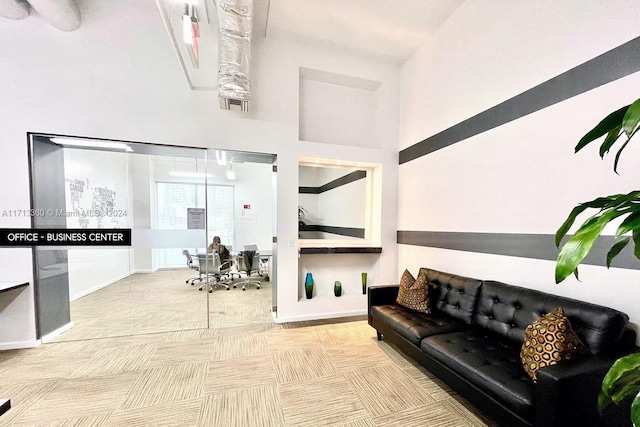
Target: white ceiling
389 29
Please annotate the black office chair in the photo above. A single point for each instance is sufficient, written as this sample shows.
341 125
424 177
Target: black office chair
249 262
192 265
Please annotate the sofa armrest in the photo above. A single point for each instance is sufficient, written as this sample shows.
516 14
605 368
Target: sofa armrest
567 393
380 295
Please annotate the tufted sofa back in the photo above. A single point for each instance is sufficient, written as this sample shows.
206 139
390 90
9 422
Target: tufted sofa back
507 310
454 295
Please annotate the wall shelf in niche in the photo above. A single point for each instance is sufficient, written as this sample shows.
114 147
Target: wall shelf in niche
341 250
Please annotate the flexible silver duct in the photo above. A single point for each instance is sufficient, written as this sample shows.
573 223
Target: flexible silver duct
61 14
14 9
234 51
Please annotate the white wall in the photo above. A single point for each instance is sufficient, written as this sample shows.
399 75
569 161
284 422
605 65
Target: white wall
91 269
521 177
336 114
343 206
127 85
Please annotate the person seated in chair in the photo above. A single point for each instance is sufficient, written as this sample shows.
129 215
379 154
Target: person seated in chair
217 246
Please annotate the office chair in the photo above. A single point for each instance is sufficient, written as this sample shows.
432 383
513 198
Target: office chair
217 272
192 265
233 271
249 262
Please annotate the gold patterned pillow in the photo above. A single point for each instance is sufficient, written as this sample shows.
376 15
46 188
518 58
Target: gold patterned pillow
547 341
414 293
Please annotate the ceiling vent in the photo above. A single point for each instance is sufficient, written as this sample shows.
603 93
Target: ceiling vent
234 50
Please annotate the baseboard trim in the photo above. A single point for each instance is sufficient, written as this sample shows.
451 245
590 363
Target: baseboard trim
19 344
51 335
152 270
320 316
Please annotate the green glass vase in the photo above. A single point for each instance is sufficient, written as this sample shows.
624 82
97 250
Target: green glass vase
308 286
337 289
364 283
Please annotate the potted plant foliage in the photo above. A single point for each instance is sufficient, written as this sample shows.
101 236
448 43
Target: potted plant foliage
623 379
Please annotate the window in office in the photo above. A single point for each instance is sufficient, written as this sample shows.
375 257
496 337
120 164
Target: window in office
173 201
220 213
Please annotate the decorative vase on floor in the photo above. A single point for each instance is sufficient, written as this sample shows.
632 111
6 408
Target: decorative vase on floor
337 289
308 285
364 283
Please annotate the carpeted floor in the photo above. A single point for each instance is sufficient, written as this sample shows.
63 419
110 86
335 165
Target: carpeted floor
240 373
162 302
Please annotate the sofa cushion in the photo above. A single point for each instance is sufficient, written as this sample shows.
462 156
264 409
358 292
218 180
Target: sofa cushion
453 295
489 362
547 341
412 293
412 324
507 310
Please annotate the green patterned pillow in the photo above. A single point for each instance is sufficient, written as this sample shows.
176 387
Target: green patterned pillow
547 341
414 293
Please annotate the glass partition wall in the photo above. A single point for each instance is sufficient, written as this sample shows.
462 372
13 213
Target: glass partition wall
86 292
174 200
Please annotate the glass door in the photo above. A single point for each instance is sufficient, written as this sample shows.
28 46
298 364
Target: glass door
98 291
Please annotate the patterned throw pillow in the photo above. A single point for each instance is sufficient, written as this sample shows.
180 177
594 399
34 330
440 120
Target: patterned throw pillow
414 293
547 341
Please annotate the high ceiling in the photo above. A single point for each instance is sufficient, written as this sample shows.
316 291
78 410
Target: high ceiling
389 29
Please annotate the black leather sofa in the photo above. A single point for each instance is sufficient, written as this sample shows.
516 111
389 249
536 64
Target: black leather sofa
471 340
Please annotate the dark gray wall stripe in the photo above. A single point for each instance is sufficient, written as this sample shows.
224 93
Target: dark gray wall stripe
343 231
538 246
610 66
343 180
308 190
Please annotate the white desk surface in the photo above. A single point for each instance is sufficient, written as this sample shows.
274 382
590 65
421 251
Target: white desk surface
4 286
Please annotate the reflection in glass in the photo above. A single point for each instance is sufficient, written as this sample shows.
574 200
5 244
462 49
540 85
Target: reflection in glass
332 202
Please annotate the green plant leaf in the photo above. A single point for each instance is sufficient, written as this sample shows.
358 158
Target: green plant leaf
630 223
605 126
615 250
631 118
636 242
635 410
603 401
615 162
579 245
611 138
600 202
566 225
630 201
622 380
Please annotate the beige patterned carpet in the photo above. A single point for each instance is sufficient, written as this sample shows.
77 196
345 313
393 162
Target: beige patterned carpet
238 373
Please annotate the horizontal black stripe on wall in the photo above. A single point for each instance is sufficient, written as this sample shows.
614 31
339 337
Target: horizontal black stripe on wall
537 246
343 180
342 231
610 66
342 250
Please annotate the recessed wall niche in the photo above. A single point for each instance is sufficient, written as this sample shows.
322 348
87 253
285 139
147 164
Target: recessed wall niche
337 109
